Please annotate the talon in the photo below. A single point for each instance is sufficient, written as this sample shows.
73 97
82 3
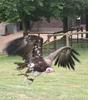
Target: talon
31 79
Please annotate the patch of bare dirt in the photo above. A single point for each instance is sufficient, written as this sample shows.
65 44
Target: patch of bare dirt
4 40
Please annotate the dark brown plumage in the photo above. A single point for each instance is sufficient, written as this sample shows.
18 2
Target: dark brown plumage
25 46
64 57
30 49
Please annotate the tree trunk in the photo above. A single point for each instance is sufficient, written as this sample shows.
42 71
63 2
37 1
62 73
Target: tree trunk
86 25
65 28
25 25
65 24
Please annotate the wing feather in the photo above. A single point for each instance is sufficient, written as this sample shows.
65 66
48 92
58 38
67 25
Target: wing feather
20 47
66 57
75 58
25 46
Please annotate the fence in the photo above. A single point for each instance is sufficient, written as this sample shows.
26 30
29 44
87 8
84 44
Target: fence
69 36
58 38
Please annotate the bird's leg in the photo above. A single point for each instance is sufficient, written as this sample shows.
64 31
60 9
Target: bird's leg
28 71
24 74
21 66
33 75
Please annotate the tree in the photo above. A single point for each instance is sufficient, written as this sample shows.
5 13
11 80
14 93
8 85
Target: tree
86 15
28 10
71 8
19 10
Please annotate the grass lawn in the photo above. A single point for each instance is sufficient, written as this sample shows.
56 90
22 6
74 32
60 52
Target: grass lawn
63 84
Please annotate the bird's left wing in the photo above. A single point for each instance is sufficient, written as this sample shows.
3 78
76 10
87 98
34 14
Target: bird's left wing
30 45
65 57
19 46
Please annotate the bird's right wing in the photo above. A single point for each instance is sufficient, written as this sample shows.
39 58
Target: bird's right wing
65 57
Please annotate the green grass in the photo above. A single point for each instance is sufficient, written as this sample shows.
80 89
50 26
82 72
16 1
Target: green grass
63 84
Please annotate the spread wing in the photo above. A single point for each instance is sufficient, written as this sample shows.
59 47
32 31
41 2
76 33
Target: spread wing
25 47
20 47
65 57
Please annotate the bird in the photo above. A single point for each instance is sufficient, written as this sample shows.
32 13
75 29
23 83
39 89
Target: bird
30 49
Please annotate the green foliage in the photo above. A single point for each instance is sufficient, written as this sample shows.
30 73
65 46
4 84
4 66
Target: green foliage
24 10
15 10
86 6
73 7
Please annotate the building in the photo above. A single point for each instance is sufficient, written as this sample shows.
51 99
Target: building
38 26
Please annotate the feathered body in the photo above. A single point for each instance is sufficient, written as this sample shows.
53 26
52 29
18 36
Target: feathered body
39 63
30 49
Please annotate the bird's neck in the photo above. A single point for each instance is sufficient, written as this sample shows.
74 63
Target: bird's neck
48 61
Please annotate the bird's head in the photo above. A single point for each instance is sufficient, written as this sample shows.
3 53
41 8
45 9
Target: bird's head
49 70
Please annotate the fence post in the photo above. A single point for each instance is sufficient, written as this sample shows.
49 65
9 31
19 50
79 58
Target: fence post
54 42
67 40
71 40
